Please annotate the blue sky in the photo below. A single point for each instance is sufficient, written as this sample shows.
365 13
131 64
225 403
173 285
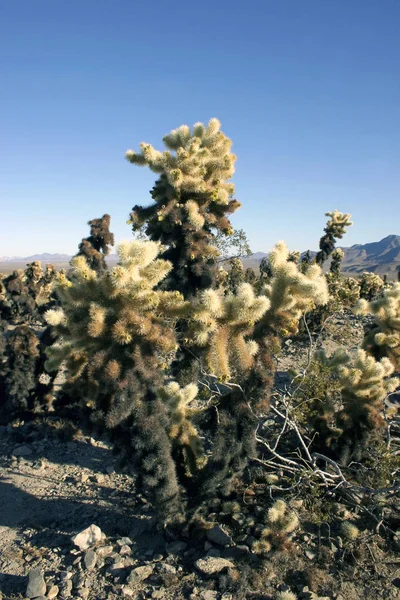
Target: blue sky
308 90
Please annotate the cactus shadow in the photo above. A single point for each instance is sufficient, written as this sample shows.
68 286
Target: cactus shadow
12 584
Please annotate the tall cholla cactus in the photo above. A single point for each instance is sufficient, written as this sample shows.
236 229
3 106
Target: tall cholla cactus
364 383
115 323
96 247
192 199
334 230
383 338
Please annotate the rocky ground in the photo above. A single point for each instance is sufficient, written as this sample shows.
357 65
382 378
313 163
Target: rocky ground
73 526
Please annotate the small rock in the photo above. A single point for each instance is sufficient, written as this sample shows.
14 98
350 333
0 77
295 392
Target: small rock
167 569
158 593
52 592
78 580
176 547
87 537
310 555
36 584
140 573
217 535
125 550
22 451
212 565
127 591
100 478
104 551
66 588
116 566
125 541
90 559
209 595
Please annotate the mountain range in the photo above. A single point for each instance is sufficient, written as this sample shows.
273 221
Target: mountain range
378 257
381 257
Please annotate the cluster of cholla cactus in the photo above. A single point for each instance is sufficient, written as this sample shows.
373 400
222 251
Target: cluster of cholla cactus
364 384
192 201
25 294
382 338
344 292
370 285
281 523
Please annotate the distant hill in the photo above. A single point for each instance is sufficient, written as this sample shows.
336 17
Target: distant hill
378 257
45 258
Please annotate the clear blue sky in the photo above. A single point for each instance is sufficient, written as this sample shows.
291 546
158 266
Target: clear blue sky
309 91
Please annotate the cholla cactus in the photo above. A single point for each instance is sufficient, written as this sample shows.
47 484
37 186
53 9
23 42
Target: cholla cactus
19 372
365 384
349 531
97 246
370 285
114 322
23 294
334 230
192 198
281 524
383 337
235 276
291 293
